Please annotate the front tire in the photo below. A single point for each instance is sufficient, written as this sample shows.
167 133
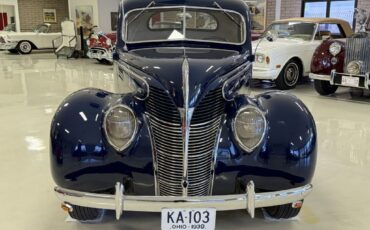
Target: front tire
24 47
289 76
85 214
324 88
283 211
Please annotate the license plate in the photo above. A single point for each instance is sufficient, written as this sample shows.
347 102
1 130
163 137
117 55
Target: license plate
186 219
350 81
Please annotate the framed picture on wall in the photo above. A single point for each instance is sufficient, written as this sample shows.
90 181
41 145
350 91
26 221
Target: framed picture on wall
50 15
85 19
114 20
258 13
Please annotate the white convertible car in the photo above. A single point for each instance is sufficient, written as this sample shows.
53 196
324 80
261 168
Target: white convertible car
286 56
25 42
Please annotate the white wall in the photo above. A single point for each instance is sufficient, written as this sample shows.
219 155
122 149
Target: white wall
105 9
13 3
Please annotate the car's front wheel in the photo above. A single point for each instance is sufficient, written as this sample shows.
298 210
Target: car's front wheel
24 47
85 214
289 76
324 87
286 211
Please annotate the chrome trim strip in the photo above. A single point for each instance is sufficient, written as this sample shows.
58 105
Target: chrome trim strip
134 75
241 144
124 35
120 149
320 77
243 68
248 201
186 115
152 143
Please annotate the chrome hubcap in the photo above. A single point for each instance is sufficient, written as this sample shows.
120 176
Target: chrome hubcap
25 47
291 74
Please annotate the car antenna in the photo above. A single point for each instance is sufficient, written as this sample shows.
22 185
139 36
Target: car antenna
152 3
227 13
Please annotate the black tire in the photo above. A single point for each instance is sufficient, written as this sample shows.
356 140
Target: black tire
289 76
282 211
85 214
324 88
24 47
13 51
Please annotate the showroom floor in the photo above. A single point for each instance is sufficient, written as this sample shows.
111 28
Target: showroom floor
31 88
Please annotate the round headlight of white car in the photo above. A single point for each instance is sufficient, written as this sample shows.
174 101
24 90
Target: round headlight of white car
120 126
88 42
250 127
260 58
335 48
354 67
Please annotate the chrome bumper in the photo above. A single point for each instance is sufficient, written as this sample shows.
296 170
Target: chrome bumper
120 202
100 54
333 79
8 45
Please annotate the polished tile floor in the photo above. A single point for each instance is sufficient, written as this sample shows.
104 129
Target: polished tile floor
31 87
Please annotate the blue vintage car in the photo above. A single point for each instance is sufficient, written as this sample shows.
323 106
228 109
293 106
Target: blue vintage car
177 137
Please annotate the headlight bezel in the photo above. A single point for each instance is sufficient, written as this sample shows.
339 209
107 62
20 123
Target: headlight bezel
335 48
265 126
105 128
358 63
262 56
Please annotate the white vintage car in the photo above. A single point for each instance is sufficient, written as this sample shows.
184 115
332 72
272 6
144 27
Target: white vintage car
286 56
25 42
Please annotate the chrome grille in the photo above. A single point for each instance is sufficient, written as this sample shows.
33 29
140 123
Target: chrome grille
358 49
165 124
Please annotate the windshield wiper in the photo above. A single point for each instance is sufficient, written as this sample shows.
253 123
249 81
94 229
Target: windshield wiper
227 13
152 3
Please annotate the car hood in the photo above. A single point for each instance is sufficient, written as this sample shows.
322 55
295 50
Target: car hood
207 69
266 47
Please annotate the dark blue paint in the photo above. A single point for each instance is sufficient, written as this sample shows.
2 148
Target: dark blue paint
82 159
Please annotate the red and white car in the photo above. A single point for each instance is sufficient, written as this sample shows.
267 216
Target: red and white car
101 47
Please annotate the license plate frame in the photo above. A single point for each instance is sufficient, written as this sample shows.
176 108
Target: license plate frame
188 219
350 81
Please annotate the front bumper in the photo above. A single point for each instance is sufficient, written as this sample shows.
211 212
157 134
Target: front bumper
100 54
265 73
335 78
120 202
8 45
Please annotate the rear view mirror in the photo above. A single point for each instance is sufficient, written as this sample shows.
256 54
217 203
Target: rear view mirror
271 36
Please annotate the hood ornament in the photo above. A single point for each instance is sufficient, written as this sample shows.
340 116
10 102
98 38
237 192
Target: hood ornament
362 19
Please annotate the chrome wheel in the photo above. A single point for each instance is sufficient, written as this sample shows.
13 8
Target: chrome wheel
291 74
24 47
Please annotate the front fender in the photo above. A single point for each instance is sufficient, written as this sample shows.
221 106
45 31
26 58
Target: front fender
322 59
287 156
81 157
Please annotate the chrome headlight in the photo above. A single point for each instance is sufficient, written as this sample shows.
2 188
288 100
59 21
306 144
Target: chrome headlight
260 58
88 43
354 67
335 48
120 127
250 127
109 42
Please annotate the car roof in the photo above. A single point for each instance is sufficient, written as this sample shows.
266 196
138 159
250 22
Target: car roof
344 24
235 5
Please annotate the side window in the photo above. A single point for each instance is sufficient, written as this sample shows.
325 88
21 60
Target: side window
332 30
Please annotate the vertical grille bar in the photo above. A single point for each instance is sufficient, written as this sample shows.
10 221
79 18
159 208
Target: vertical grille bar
166 129
358 49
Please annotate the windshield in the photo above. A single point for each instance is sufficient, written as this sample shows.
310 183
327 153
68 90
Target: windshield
41 29
167 24
293 30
